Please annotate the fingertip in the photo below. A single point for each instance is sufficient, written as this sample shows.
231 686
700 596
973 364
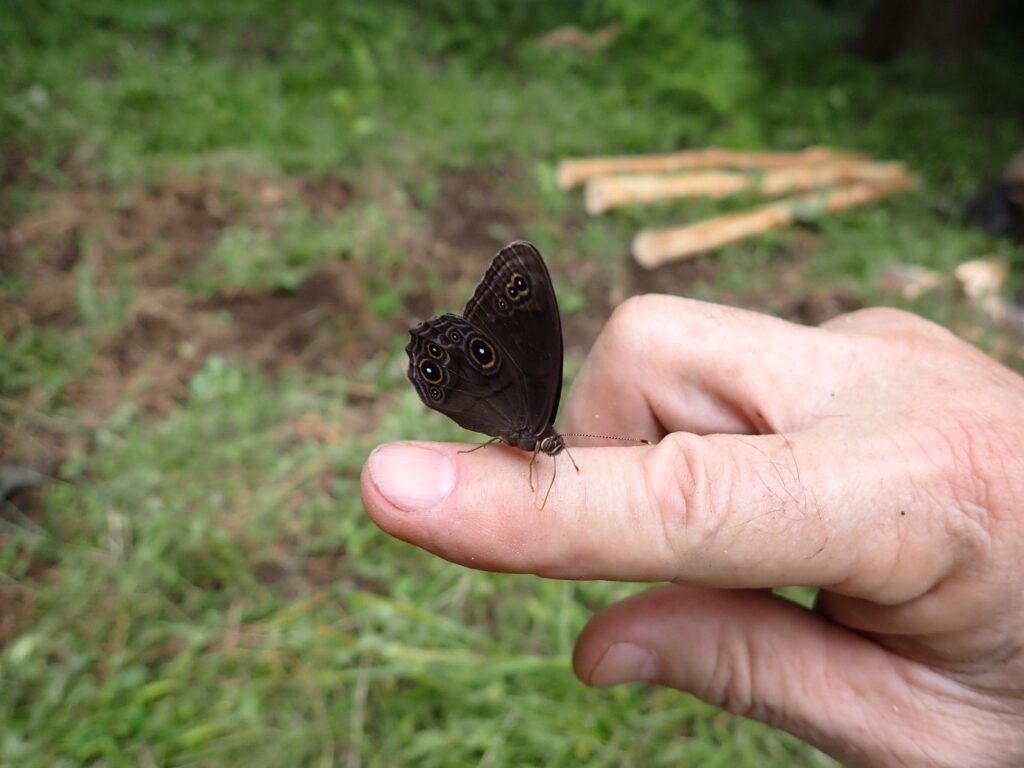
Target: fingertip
413 477
614 648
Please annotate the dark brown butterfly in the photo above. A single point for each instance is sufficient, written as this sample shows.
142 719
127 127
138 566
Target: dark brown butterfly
497 369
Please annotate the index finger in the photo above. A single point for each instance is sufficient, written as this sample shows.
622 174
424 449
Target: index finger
664 364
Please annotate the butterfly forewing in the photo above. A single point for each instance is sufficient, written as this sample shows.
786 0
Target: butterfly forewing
515 304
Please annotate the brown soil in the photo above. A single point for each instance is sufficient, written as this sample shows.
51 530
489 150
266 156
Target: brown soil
18 604
21 505
472 205
161 234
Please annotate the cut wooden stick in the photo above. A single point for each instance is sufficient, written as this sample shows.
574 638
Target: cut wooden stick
982 282
656 247
910 280
612 191
574 37
609 192
572 173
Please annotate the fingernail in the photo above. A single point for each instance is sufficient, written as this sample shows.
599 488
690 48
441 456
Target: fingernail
412 477
624 663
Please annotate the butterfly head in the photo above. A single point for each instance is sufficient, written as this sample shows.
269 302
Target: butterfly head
552 445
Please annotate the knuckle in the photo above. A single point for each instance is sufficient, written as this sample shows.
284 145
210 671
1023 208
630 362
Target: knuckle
731 682
960 457
678 497
642 329
628 322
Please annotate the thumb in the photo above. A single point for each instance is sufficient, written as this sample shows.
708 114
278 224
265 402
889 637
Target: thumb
720 511
763 657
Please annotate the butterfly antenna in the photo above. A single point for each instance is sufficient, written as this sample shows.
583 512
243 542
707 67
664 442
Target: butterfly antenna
492 441
533 460
638 440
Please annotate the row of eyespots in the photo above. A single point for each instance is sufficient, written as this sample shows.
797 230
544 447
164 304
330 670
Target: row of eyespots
431 372
516 289
481 352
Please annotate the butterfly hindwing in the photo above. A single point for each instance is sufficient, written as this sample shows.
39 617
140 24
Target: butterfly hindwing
460 372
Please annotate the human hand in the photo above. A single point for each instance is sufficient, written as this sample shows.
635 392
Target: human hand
878 457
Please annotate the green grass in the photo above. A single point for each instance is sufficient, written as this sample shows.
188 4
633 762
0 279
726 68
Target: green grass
204 587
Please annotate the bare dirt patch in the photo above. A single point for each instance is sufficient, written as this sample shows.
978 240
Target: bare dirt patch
472 207
287 327
601 293
161 232
319 326
20 504
19 604
14 167
151 238
326 195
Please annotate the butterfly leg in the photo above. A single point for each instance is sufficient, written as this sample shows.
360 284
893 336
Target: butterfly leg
533 460
554 472
482 445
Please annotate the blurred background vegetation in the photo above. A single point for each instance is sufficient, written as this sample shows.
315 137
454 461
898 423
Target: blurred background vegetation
218 219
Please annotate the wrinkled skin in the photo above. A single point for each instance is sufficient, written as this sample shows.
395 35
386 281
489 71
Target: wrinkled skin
877 457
